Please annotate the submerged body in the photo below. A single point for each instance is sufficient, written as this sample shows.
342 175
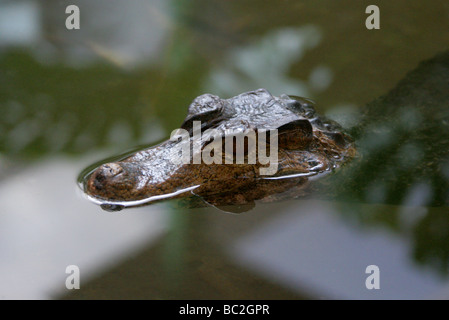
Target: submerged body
307 145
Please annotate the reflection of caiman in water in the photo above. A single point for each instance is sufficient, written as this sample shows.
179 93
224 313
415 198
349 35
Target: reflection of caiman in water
393 138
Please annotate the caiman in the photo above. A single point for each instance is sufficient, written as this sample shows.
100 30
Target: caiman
307 145
401 150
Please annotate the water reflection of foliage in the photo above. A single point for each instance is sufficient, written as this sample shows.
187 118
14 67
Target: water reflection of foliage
49 109
413 120
54 108
431 239
404 147
425 229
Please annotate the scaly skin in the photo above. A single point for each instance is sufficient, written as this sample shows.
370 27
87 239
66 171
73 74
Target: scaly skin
307 144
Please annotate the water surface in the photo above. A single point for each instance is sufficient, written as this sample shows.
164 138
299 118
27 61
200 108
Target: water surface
70 98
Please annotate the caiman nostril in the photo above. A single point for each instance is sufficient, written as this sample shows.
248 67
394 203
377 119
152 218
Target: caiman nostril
110 170
104 172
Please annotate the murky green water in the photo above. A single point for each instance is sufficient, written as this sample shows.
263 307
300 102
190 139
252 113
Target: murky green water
71 97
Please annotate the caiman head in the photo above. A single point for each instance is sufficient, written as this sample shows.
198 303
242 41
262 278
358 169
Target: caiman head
220 153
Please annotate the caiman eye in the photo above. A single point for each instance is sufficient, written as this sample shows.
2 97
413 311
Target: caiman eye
295 135
301 106
208 119
304 102
337 137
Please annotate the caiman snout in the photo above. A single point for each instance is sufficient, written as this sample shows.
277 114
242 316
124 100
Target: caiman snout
106 172
116 181
103 174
